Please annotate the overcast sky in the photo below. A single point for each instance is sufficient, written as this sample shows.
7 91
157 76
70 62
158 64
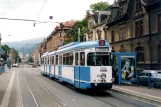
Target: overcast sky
61 10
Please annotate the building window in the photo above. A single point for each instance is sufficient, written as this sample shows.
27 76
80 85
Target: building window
140 53
122 33
139 28
159 23
122 49
113 36
90 24
159 52
122 9
138 4
99 34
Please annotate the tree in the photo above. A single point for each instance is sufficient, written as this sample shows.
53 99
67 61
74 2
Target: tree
99 6
30 60
7 50
72 34
17 57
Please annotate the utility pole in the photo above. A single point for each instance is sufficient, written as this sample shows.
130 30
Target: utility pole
78 34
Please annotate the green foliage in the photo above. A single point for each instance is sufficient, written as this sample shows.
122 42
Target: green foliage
30 60
72 34
5 48
100 6
17 57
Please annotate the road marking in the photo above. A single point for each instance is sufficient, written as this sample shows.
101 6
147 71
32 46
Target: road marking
22 105
32 94
7 94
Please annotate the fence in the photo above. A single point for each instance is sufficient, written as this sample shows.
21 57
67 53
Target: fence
2 69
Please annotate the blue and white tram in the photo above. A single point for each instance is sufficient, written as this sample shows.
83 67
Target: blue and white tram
85 65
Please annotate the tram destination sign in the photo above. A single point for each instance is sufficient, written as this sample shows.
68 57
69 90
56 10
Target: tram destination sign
102 49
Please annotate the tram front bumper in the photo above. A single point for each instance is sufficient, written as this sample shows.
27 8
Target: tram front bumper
102 85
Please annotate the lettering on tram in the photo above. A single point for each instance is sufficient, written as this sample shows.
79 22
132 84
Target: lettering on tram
85 65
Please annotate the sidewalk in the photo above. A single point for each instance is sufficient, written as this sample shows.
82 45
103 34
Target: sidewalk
4 81
139 92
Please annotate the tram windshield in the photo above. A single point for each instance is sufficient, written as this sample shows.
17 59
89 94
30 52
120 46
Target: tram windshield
98 59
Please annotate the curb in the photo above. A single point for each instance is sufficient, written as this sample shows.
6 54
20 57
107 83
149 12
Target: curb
139 96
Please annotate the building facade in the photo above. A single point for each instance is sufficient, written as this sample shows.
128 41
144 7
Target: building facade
36 55
58 36
134 26
12 56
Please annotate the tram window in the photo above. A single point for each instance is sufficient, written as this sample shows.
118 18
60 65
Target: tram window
45 60
82 58
42 60
98 59
71 58
76 58
56 59
68 58
52 60
48 61
60 60
64 59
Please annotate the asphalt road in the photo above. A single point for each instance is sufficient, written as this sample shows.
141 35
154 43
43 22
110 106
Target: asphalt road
31 89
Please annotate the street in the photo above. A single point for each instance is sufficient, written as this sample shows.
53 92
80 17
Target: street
26 87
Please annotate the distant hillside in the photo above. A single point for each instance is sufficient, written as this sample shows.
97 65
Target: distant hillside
25 46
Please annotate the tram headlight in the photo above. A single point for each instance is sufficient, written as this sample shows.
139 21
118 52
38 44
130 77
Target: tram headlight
103 75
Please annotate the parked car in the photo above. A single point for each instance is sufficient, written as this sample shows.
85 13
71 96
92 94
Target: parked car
31 63
159 72
155 78
15 65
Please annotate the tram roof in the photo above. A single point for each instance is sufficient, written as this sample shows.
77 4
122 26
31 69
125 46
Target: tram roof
51 53
87 44
45 54
69 44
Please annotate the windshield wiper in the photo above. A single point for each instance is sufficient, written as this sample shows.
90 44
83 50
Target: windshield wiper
100 63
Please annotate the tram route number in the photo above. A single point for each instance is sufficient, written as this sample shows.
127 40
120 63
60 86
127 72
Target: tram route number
103 69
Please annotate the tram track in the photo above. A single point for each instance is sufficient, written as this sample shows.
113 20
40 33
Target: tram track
53 96
79 91
106 102
31 78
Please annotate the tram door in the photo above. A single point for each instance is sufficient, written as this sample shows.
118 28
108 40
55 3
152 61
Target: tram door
79 61
53 63
76 70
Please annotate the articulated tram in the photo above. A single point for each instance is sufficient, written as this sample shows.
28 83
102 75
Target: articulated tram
85 65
